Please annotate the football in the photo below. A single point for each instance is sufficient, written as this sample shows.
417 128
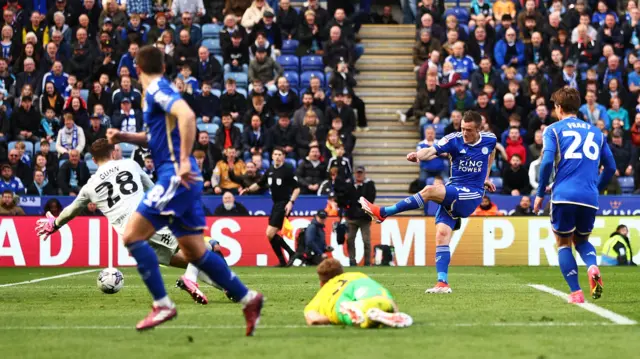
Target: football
110 280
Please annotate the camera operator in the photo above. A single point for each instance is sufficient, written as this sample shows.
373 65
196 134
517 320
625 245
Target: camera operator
357 218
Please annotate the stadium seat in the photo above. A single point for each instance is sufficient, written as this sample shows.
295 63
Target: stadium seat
36 148
84 93
239 126
93 167
241 91
293 78
265 164
312 63
292 162
211 128
242 80
219 59
87 156
460 13
305 78
213 45
289 62
211 31
289 47
295 90
61 162
439 130
216 93
497 181
127 149
28 147
626 184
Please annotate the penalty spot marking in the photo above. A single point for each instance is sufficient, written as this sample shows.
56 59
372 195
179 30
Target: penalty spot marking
49 278
605 313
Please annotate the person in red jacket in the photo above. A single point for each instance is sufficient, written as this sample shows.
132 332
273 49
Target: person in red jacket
635 131
515 144
487 208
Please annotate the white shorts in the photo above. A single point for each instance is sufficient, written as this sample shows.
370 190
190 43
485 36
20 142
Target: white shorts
165 244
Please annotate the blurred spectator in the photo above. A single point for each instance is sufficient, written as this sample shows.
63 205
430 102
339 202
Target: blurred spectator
220 181
623 153
208 103
228 135
310 34
536 52
341 79
283 135
53 206
128 60
332 207
40 186
456 121
535 148
126 90
342 163
462 63
524 207
73 174
357 219
229 207
260 107
427 23
539 121
423 48
346 138
26 121
10 182
328 185
315 242
515 177
91 210
288 19
462 99
29 75
616 111
98 96
204 169
187 24
485 75
127 119
337 50
20 169
386 18
430 104
212 153
311 172
320 99
436 166
261 41
306 134
265 69
40 163
70 137
186 50
486 208
208 69
635 131
592 111
611 33
236 54
250 176
617 249
158 28
321 14
149 168
509 108
504 7
307 105
254 13
339 109
484 107
509 51
285 100
270 29
9 206
96 130
515 145
481 45
232 101
254 139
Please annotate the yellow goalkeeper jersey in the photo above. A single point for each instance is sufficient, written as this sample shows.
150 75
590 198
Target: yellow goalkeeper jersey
327 297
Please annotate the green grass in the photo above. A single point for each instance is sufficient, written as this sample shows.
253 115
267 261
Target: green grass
491 314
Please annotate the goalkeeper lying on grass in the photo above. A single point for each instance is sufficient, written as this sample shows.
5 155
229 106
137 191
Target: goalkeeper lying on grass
352 299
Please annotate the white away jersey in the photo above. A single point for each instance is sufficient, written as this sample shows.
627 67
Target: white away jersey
117 189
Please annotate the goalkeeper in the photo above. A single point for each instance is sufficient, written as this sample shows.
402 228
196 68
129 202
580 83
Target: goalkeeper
352 299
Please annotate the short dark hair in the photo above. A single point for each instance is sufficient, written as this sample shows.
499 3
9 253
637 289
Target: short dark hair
472 116
150 60
226 114
7 191
101 149
279 149
568 99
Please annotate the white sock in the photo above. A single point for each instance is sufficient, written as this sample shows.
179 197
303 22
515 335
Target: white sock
192 272
248 297
205 278
164 302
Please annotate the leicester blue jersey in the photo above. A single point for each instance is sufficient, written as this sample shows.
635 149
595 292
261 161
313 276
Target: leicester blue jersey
469 161
163 134
576 146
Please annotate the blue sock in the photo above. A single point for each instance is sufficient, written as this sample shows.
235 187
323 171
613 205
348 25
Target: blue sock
569 267
587 253
443 257
216 268
407 204
148 268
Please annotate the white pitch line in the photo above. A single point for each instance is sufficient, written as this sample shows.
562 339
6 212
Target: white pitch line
49 278
294 326
605 313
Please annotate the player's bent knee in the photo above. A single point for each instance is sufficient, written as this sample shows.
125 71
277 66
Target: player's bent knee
138 229
433 193
443 234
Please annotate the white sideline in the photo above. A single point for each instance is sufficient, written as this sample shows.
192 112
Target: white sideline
49 278
605 313
296 326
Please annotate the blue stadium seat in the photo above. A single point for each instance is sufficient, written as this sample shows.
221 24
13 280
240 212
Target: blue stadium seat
312 63
439 130
28 147
239 126
460 13
211 128
305 78
242 80
216 93
36 148
219 59
213 45
626 184
127 149
93 167
289 62
242 91
497 181
61 162
265 164
87 156
84 93
293 78
211 31
292 162
295 90
289 47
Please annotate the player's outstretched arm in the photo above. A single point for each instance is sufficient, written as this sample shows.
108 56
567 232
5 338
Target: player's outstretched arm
609 164
424 154
115 136
315 318
48 226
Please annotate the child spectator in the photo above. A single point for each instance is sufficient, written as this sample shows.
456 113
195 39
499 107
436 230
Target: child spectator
50 124
189 81
486 208
332 142
342 163
208 104
616 111
515 145
228 135
346 137
24 156
515 177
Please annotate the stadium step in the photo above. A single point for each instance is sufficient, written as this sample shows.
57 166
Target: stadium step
382 170
384 59
393 187
386 50
402 180
390 108
377 143
377 91
392 82
393 126
401 134
390 99
369 31
371 44
407 67
377 75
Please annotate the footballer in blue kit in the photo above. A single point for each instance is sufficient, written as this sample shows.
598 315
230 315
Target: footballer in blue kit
578 150
471 153
175 200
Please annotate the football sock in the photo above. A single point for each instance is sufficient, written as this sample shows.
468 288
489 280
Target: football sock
569 267
407 204
284 245
275 245
443 257
587 253
205 278
148 268
192 272
216 268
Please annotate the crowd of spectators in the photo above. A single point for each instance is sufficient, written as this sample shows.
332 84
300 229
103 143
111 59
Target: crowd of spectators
67 74
504 59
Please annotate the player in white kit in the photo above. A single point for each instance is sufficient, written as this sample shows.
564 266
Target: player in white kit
117 188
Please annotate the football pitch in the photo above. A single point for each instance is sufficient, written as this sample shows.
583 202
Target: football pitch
492 313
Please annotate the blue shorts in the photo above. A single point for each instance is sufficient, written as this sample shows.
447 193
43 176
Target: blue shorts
170 204
567 218
459 202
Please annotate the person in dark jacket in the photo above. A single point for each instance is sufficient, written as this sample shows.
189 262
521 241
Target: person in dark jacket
127 119
208 69
339 109
480 45
235 56
270 28
431 103
228 135
285 100
72 175
311 172
186 52
516 178
254 139
20 169
337 50
229 207
282 134
485 75
288 20
315 239
208 105
250 176
40 186
98 95
233 102
357 219
524 207
211 152
95 131
26 121
309 34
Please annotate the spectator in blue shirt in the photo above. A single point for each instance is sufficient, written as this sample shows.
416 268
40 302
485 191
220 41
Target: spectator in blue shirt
194 29
462 64
633 80
592 111
601 14
462 99
509 51
128 60
435 167
10 182
57 76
